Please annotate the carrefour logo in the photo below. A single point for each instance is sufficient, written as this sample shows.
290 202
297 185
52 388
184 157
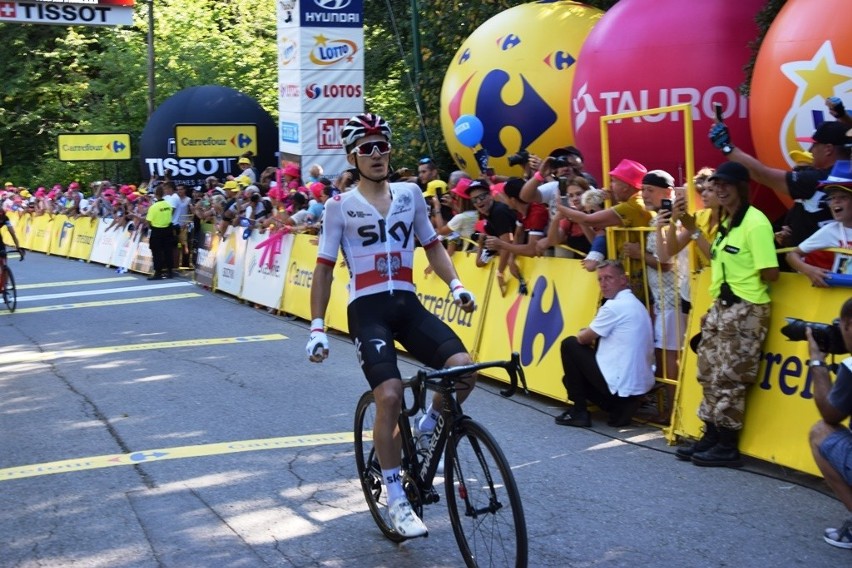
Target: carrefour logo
332 51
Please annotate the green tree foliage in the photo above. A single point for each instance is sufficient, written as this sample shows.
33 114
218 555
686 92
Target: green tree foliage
82 79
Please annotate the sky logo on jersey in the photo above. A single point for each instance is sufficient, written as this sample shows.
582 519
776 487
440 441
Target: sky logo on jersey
538 322
332 51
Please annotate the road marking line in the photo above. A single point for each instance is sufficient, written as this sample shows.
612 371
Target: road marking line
80 293
100 304
181 452
36 356
74 282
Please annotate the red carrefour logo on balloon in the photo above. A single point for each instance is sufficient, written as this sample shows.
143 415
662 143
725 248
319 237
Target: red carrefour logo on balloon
333 91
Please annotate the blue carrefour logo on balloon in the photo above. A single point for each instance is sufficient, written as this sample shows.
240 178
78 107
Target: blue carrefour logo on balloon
531 116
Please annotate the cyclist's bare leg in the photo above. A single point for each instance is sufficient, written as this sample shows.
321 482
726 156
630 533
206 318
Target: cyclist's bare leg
464 386
386 438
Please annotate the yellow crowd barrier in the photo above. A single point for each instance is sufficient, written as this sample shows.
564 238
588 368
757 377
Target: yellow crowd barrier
562 298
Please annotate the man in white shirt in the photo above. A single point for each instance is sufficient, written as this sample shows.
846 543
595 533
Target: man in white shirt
618 373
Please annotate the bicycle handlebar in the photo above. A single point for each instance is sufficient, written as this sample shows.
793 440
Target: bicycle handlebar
512 367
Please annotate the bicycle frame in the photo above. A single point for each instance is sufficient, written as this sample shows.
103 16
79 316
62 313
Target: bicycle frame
451 414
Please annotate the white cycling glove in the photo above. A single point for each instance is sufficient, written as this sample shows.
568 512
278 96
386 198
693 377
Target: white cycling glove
459 291
317 347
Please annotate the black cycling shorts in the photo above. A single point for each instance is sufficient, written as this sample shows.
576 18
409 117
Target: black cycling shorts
375 321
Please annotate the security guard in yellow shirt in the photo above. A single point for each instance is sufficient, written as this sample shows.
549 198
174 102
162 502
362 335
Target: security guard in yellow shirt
161 236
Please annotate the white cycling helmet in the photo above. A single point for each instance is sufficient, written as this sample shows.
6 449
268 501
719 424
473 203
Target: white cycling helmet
362 125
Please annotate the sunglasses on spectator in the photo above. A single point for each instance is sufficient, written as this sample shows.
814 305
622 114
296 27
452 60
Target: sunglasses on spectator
367 148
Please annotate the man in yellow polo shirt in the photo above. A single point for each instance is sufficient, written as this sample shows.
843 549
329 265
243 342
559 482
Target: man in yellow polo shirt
161 236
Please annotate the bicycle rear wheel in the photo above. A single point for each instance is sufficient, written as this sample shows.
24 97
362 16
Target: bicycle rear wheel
369 470
483 500
10 293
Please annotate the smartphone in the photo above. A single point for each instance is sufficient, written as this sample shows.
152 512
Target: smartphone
665 204
563 185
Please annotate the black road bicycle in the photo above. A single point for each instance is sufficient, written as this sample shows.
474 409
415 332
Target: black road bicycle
482 497
7 285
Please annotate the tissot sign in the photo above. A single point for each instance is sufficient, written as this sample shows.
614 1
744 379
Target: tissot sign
331 13
100 13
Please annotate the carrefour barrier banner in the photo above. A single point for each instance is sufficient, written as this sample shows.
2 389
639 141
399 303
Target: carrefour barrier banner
106 239
61 234
562 299
230 257
40 231
83 237
436 297
142 260
122 254
205 260
300 272
265 264
780 409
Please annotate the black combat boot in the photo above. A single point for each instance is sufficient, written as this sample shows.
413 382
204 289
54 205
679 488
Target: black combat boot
707 441
723 454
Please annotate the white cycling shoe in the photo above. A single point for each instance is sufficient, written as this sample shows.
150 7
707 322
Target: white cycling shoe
405 521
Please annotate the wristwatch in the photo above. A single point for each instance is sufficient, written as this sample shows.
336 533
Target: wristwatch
695 235
817 363
727 149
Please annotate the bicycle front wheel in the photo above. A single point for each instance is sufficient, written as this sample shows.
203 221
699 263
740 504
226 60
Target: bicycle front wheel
483 500
369 470
10 293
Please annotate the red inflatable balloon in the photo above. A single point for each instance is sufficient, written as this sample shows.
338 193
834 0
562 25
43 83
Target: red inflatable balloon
646 54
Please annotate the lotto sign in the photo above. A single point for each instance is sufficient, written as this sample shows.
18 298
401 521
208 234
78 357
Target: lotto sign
92 147
100 13
215 140
331 13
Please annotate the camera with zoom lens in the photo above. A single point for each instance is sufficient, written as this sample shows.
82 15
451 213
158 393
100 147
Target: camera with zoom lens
827 335
559 162
519 159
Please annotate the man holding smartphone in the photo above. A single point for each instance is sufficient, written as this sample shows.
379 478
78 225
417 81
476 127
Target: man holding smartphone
667 277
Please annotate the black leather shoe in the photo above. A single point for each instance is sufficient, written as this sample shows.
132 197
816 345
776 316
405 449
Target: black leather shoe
577 418
154 277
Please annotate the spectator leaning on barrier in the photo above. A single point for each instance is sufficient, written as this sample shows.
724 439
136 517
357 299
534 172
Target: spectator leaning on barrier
830 439
592 201
667 276
700 228
829 143
562 231
616 374
838 234
500 222
531 224
742 263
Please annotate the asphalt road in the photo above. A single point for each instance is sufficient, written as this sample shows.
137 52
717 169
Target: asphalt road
160 425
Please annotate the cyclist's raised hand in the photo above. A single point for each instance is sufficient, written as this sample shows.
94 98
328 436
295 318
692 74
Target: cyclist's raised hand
317 347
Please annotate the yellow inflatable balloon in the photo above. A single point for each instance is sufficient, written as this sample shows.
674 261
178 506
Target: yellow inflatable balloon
514 73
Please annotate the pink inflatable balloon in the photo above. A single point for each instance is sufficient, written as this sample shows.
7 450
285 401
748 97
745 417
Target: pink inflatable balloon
645 54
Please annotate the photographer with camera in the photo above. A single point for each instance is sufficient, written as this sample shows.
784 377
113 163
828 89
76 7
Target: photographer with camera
742 262
831 441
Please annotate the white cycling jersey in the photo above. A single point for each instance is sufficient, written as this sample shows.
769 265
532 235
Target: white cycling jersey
379 252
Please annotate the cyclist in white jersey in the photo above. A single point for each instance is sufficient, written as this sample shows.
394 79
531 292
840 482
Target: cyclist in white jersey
375 226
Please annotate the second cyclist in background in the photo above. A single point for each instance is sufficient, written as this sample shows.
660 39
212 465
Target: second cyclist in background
375 226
